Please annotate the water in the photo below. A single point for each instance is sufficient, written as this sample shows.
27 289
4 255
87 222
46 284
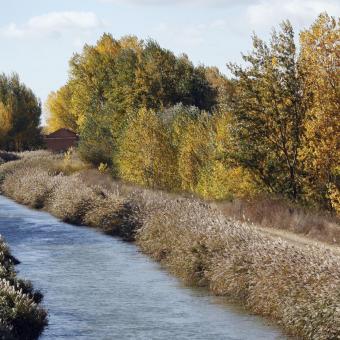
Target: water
98 287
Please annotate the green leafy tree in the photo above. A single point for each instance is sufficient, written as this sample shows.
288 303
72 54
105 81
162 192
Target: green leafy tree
268 113
97 144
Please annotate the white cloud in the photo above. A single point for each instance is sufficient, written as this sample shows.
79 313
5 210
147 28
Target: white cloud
266 13
208 3
190 35
53 24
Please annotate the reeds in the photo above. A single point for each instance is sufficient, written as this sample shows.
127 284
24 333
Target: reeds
276 213
21 317
294 284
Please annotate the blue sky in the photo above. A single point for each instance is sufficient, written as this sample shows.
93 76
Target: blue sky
38 37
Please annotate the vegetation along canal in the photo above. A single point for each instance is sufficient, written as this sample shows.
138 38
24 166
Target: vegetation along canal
98 287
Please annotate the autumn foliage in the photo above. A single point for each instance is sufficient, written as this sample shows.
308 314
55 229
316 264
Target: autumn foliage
20 112
157 120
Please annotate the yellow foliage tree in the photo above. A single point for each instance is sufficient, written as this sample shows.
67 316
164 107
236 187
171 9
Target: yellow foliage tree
194 139
5 121
218 181
319 64
59 107
224 87
20 112
145 154
221 178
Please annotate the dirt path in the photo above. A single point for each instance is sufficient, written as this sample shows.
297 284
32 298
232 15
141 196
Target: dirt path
299 240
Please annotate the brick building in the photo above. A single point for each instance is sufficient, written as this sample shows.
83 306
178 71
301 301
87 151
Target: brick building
61 140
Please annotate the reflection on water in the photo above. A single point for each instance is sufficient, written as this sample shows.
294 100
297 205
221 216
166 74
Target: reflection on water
98 287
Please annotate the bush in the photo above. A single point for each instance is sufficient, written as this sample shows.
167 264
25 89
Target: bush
19 314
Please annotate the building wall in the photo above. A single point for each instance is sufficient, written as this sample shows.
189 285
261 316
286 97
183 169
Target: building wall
61 140
58 145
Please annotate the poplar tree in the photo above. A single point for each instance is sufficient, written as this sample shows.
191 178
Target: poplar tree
60 112
268 113
20 112
319 64
146 155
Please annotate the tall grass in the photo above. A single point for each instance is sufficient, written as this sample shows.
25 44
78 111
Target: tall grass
21 317
294 284
20 187
7 156
276 213
297 286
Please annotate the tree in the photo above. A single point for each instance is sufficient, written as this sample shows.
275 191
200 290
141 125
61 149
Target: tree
194 137
59 106
146 155
97 144
222 86
220 177
116 78
164 80
319 65
268 113
20 112
5 123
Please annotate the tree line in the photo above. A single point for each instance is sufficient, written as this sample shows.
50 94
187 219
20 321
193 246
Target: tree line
158 120
20 112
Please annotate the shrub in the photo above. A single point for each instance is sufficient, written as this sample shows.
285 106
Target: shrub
20 315
71 163
31 160
103 168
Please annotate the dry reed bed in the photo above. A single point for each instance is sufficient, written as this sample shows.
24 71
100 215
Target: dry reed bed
21 316
276 213
298 286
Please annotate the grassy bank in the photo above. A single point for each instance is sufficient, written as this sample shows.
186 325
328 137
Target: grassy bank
276 213
294 284
21 317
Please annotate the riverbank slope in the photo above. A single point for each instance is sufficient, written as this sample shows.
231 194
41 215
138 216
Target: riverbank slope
21 316
298 286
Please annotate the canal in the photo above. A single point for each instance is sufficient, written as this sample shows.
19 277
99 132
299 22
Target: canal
99 287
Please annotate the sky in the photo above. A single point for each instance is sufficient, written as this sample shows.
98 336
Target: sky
38 37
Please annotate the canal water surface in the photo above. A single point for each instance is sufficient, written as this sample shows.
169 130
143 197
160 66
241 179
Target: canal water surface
98 287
